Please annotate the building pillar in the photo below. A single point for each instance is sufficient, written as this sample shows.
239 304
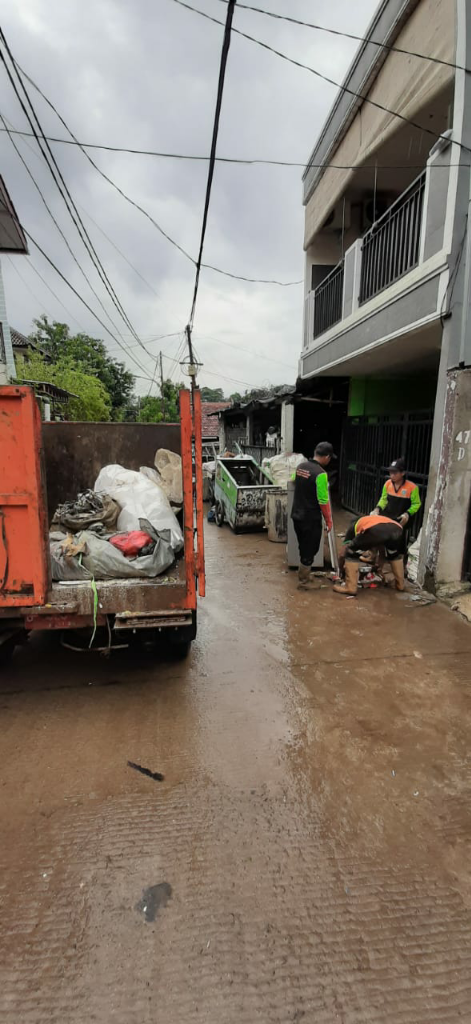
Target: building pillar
443 546
287 427
222 435
446 511
249 428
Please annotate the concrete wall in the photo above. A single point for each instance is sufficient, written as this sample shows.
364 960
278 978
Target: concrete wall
404 83
74 453
401 314
373 396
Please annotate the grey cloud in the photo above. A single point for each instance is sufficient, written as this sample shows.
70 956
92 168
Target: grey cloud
144 75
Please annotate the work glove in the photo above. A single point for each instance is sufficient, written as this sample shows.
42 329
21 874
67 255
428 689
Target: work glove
403 520
375 512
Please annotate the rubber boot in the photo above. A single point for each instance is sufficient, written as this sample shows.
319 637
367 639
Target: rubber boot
397 569
304 577
350 587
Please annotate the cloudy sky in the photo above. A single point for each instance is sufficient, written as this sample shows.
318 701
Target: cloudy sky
144 75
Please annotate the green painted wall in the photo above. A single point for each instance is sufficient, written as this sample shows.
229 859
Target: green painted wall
373 397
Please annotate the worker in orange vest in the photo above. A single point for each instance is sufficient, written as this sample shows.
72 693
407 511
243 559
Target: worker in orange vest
368 534
400 498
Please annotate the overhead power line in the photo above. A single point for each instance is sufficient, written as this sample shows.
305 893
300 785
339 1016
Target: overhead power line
243 161
209 266
56 223
350 35
226 42
12 131
82 300
35 297
324 78
59 178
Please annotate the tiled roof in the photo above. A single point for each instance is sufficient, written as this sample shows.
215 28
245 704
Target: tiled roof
19 340
210 424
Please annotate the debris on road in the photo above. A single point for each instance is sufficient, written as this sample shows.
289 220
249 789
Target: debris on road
153 898
156 776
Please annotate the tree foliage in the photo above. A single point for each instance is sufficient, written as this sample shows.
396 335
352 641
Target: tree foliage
153 410
212 395
90 356
92 401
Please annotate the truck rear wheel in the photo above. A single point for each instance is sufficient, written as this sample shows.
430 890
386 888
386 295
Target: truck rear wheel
6 650
182 638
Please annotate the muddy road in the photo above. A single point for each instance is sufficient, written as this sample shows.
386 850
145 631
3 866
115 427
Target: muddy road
306 857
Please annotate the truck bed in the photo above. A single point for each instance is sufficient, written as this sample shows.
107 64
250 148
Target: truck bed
135 596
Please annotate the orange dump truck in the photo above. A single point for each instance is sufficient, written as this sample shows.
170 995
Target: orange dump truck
42 464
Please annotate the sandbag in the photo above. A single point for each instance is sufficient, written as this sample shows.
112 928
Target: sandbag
139 498
280 468
169 468
65 566
105 562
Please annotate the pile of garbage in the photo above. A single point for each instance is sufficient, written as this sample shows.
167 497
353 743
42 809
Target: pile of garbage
122 529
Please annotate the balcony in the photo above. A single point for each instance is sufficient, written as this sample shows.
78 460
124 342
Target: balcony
328 304
392 245
389 282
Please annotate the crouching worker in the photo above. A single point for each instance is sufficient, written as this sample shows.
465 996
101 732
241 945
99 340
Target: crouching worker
310 505
368 534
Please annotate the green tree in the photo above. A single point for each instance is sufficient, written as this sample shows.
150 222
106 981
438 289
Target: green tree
89 355
212 395
155 410
92 401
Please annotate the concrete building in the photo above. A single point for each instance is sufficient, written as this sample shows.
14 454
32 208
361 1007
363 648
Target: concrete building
388 267
12 240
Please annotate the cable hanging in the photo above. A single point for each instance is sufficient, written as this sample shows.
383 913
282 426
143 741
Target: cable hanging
244 161
208 266
61 184
226 42
325 78
350 35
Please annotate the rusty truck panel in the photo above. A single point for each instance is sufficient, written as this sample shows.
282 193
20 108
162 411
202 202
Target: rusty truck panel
28 599
23 524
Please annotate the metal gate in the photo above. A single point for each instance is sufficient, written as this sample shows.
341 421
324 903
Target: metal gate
370 443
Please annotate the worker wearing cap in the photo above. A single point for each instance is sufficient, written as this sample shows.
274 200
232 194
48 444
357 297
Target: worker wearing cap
310 504
400 499
368 534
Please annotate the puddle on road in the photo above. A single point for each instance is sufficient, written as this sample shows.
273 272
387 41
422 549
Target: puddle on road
153 898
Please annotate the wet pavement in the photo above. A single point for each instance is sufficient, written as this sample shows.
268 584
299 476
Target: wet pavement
306 857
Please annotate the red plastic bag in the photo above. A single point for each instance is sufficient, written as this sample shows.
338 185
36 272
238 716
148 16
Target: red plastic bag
131 543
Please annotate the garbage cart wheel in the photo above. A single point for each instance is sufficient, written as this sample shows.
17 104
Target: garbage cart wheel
219 513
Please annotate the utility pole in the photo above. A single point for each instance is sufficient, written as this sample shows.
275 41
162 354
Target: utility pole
162 395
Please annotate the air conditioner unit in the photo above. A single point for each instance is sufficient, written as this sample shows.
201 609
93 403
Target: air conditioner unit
339 218
372 209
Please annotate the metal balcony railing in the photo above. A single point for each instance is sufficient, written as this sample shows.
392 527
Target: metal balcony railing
391 247
328 301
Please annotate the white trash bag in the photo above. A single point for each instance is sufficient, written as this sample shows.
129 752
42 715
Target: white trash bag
280 468
139 498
